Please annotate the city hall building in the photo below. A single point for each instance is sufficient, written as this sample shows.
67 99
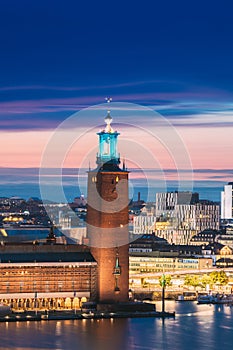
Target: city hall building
52 276
46 276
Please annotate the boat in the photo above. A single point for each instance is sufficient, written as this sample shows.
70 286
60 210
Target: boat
205 299
223 299
187 296
88 315
215 299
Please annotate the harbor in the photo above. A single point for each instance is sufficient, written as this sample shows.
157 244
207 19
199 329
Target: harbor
71 315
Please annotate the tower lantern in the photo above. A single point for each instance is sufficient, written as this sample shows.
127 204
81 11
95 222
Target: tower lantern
108 144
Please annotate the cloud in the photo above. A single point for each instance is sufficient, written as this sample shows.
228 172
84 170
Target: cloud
80 88
199 107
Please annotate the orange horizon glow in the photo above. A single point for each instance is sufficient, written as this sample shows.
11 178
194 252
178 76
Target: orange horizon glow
208 148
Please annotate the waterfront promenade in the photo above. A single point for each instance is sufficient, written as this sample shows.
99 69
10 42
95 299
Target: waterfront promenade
78 315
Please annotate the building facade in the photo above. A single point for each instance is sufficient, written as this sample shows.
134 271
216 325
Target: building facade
141 263
181 215
227 202
166 201
107 219
45 276
144 224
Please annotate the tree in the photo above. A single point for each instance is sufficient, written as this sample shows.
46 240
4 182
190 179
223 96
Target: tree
222 278
206 280
191 280
219 277
214 276
167 280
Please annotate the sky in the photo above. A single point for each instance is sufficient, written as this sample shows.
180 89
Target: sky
58 57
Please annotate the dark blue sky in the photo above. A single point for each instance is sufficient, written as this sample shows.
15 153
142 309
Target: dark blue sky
57 57
72 49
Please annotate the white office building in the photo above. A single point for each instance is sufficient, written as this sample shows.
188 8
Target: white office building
144 224
227 202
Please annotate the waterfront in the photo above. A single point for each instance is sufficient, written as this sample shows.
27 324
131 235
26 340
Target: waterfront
195 327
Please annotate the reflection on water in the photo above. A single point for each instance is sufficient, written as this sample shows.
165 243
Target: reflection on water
195 327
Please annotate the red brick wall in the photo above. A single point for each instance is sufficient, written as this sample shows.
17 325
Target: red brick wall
108 231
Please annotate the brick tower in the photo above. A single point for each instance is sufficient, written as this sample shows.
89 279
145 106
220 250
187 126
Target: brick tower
107 218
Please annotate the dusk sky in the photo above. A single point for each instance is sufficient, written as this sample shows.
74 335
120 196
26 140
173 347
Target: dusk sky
58 57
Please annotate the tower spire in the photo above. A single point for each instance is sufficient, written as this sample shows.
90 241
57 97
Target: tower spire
108 118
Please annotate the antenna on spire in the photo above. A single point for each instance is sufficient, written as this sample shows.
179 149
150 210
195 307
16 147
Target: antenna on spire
108 118
108 100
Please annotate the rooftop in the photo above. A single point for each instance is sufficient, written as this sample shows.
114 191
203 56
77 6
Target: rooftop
22 253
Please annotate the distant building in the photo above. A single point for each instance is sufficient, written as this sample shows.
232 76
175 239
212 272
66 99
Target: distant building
181 215
198 216
161 257
149 209
146 243
77 234
144 224
69 219
150 253
226 238
227 202
29 234
80 201
167 201
212 250
152 263
135 207
222 255
205 237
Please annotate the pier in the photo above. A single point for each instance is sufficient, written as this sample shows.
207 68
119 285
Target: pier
79 315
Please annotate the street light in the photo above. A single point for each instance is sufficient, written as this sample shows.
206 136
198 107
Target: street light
163 292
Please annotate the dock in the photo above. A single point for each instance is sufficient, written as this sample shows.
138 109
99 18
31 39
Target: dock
71 315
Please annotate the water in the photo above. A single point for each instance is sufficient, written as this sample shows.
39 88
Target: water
27 190
198 327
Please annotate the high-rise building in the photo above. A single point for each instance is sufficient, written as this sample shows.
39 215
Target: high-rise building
167 201
107 218
227 202
181 215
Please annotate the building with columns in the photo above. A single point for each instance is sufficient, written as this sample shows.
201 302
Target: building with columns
46 276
